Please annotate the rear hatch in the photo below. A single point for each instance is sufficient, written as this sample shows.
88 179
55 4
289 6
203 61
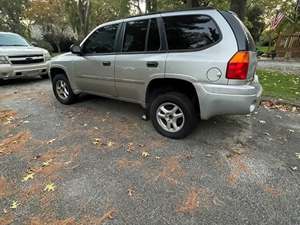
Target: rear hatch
245 44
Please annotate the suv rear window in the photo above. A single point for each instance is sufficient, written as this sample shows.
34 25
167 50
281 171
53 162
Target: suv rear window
191 32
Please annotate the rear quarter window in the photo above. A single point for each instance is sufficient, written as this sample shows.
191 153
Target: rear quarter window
191 32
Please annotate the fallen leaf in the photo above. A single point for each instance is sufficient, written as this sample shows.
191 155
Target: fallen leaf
298 155
97 141
28 177
130 192
130 147
294 168
14 205
51 141
110 144
47 163
50 187
262 122
291 131
145 154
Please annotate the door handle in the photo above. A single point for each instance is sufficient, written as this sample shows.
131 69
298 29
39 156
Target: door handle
106 63
152 64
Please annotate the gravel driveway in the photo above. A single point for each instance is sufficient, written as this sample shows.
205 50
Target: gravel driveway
96 162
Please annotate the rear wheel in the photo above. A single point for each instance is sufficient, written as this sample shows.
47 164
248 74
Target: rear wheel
62 90
173 115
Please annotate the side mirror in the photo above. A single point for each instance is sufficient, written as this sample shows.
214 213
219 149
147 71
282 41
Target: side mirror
75 49
34 44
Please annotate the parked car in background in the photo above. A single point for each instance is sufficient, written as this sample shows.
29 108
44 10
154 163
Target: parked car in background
19 58
177 65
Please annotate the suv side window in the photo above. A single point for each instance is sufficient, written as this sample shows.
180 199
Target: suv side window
191 32
135 36
153 38
102 40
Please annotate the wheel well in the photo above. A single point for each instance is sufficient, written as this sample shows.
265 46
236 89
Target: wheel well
55 71
160 86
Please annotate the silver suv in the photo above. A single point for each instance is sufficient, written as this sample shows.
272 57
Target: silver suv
18 58
178 66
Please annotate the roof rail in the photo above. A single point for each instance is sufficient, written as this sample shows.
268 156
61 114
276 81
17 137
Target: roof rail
170 11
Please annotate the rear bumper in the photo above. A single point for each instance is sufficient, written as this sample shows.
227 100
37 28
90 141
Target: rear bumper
16 71
228 99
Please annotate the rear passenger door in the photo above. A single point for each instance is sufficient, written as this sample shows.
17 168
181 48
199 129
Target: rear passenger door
140 60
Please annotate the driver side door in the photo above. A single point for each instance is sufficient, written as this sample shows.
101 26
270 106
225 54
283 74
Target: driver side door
94 69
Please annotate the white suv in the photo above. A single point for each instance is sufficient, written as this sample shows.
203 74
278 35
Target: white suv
177 65
18 58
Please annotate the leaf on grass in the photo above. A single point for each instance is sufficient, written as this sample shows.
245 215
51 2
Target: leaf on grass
14 205
145 154
29 176
50 187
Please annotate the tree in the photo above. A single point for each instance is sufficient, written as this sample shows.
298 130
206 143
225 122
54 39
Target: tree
239 7
12 16
84 10
50 16
255 21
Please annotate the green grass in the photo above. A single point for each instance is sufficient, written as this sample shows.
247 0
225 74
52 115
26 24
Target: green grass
280 85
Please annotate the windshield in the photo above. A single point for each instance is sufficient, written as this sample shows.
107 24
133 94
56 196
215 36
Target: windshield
12 40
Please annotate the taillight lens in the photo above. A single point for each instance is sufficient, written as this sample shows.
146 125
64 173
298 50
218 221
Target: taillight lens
238 66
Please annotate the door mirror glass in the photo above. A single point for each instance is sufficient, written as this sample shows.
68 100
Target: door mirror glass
75 49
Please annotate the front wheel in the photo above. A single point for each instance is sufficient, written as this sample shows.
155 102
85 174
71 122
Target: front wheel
62 90
173 115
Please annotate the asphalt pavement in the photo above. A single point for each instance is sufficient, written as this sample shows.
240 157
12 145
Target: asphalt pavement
96 162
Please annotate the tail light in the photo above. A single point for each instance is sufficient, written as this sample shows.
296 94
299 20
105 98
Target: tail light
238 66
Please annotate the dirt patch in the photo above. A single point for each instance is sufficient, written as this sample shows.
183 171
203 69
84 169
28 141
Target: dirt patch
39 221
172 170
109 215
6 116
271 190
238 167
6 220
125 164
4 187
191 202
197 199
14 143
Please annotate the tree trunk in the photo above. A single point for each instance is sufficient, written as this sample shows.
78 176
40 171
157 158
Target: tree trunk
239 7
151 6
192 3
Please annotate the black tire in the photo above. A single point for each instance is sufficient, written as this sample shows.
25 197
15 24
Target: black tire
187 108
44 76
71 97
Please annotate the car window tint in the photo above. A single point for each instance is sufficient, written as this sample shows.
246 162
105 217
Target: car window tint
135 36
191 32
102 40
154 39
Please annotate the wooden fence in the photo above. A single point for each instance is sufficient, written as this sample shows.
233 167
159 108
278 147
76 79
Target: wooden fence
288 46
